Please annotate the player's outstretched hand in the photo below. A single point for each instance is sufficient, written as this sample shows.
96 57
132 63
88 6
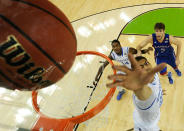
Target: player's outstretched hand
135 78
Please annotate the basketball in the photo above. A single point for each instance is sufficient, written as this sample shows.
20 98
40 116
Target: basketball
37 44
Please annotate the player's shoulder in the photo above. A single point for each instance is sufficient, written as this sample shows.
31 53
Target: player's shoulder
125 49
168 35
171 38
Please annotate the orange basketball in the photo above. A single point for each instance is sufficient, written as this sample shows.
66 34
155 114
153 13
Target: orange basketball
37 44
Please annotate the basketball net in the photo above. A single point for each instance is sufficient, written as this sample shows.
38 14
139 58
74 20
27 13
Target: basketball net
45 123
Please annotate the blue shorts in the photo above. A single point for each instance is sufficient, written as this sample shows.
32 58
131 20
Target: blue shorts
170 60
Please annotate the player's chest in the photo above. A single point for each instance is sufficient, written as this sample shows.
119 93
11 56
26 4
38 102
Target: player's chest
122 59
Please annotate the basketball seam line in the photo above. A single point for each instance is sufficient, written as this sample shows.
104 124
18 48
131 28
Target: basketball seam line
8 79
25 2
33 42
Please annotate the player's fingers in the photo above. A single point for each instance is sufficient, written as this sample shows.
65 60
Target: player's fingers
115 84
119 77
122 69
134 63
157 69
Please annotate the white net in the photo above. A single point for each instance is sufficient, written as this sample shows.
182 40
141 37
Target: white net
73 95
76 93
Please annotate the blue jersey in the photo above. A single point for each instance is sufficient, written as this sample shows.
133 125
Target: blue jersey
164 48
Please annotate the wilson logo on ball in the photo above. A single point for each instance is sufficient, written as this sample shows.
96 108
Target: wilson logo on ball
15 56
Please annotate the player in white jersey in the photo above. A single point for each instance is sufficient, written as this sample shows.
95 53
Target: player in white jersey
143 80
120 54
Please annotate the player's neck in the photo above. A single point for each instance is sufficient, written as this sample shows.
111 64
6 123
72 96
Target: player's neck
161 40
120 53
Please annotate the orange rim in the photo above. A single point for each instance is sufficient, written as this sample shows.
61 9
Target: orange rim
92 112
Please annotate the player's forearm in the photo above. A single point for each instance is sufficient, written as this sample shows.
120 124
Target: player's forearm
143 93
178 50
101 69
144 43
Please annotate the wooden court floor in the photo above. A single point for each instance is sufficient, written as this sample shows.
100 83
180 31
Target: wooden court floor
120 112
96 23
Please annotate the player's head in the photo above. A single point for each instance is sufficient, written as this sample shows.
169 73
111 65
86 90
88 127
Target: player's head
116 46
143 62
159 30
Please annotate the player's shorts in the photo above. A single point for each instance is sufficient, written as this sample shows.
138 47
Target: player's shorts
170 60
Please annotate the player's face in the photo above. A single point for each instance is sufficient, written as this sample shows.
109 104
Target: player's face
145 64
116 47
160 33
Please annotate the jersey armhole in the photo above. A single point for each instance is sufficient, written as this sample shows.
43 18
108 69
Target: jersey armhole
147 104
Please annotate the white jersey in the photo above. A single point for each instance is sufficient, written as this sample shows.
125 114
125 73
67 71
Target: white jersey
147 113
123 59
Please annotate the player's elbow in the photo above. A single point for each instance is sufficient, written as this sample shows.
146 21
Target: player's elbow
179 44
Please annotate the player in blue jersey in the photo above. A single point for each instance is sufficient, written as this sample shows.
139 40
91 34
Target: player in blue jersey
164 52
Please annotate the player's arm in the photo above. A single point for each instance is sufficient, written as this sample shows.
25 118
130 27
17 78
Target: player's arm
144 43
100 70
144 51
178 44
135 79
143 93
